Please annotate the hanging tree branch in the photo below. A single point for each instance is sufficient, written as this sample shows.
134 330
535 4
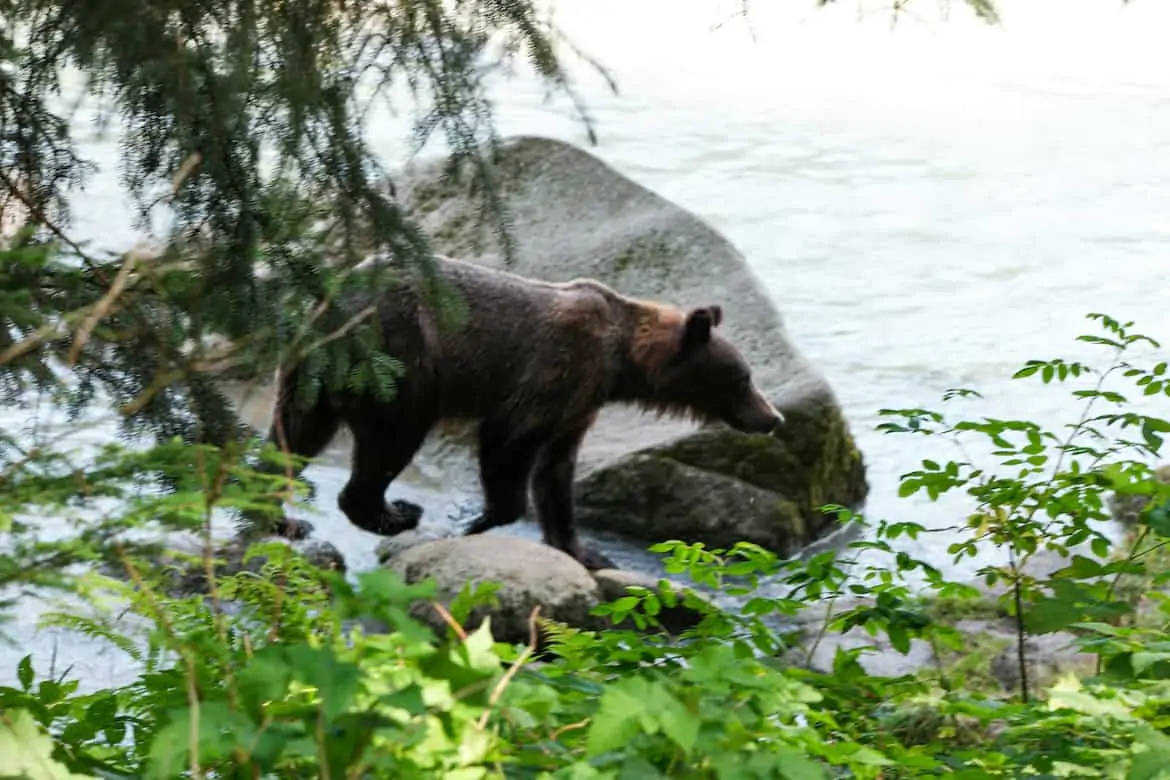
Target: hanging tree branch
250 116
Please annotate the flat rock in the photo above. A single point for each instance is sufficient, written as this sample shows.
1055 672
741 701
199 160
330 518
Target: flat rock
393 546
529 574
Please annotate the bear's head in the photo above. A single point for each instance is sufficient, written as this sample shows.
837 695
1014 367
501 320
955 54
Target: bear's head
704 375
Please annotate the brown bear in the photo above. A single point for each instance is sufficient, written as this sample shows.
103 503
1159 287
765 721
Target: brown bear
532 364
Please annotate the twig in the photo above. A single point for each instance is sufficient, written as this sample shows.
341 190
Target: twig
218 361
281 435
211 497
450 620
570 727
498 691
193 722
38 214
168 631
186 169
43 334
824 628
1021 629
101 308
319 739
346 328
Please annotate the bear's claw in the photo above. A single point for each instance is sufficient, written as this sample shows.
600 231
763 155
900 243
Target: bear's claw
481 524
593 559
399 516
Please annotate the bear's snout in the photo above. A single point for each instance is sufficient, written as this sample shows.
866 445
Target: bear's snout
758 415
764 423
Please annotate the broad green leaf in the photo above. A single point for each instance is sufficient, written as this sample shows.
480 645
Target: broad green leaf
614 724
1068 693
409 698
24 672
264 679
101 712
636 767
467 664
580 770
1142 661
869 757
1152 738
634 702
1052 614
1151 765
677 722
1080 568
795 766
337 682
26 751
1158 519
899 638
220 731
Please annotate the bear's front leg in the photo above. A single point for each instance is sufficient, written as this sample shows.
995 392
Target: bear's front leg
552 489
375 465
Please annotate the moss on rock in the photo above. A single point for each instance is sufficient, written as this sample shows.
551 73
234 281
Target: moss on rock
646 496
810 463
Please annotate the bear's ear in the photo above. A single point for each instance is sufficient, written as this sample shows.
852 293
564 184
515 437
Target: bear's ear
716 315
698 326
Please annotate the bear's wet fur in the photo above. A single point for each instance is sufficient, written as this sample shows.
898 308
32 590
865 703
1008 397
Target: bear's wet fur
533 363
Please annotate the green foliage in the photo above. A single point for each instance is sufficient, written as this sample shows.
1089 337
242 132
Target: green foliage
279 670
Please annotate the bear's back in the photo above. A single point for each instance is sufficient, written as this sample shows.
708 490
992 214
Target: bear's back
526 346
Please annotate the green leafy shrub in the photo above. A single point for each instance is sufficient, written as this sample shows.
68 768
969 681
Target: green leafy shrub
284 670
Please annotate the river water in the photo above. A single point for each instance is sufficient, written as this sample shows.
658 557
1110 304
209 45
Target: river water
929 206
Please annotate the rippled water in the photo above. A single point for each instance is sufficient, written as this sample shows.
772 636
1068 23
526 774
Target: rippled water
928 208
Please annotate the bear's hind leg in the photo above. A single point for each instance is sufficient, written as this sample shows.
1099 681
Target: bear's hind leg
380 453
552 488
505 463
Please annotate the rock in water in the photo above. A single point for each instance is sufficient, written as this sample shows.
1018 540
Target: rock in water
575 216
182 556
1127 509
529 574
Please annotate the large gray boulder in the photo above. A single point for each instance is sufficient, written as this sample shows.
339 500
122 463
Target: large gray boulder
575 216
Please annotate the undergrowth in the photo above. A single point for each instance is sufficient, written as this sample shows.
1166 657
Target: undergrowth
285 670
